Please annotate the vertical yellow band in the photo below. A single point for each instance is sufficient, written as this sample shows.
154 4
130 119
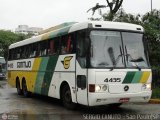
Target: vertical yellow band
145 76
33 74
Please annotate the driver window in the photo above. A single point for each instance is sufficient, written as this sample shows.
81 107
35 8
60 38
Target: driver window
81 49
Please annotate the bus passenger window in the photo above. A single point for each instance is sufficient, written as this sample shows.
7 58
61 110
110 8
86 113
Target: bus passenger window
33 50
14 53
66 45
18 53
54 46
69 47
28 50
51 48
37 50
43 48
23 52
63 45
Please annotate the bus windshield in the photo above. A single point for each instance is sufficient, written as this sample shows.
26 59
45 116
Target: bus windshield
107 49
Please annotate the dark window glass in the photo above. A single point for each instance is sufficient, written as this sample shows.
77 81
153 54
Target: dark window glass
106 48
54 46
81 48
134 50
67 44
43 48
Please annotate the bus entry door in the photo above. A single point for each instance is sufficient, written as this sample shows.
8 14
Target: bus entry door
81 85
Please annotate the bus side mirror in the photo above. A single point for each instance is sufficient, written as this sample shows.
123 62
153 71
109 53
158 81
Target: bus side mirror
81 81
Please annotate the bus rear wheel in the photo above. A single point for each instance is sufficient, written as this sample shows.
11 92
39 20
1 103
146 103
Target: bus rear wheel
19 90
25 89
66 98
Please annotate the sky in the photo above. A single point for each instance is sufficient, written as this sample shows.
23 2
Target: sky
48 13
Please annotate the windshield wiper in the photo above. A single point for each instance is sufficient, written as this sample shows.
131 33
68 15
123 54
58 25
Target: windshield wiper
140 59
114 61
133 60
103 64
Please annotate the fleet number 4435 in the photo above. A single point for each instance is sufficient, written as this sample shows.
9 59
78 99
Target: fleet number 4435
112 80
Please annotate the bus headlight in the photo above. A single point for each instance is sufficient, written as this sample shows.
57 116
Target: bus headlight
146 86
98 88
101 88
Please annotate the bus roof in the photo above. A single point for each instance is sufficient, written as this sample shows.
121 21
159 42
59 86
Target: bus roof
70 27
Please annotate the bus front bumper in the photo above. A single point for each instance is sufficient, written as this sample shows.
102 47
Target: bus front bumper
96 99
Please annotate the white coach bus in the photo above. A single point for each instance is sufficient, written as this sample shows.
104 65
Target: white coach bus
90 63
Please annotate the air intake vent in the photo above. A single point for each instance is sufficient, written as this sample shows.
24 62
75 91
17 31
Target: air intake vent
98 26
138 28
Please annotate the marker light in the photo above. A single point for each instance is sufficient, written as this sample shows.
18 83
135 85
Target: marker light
146 86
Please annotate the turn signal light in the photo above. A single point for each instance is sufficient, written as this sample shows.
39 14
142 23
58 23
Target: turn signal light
91 87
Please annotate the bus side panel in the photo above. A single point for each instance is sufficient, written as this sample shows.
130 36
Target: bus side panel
64 72
57 80
28 76
21 70
11 79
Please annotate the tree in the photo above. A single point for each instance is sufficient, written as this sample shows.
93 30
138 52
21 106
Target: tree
114 7
7 38
122 16
151 23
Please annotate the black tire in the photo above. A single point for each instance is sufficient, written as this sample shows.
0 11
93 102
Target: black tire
26 93
66 98
19 90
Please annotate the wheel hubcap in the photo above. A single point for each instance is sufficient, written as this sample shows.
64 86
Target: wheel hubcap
67 96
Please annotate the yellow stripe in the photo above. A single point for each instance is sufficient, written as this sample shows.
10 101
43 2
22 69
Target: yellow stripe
45 36
145 76
36 64
33 74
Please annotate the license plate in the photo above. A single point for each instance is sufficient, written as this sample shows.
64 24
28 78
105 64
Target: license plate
124 100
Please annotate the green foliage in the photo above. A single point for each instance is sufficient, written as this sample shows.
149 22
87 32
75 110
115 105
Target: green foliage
122 16
156 93
7 38
151 23
114 7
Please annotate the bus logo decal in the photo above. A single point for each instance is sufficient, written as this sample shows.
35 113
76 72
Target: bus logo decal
66 62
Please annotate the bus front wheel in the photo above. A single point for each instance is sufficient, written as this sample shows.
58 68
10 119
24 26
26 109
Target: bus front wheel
66 98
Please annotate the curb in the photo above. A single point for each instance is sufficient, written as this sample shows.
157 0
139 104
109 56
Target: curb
154 101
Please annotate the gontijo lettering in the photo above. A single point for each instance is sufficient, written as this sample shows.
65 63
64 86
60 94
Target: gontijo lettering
24 64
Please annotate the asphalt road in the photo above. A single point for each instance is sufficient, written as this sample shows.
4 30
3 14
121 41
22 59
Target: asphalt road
14 107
